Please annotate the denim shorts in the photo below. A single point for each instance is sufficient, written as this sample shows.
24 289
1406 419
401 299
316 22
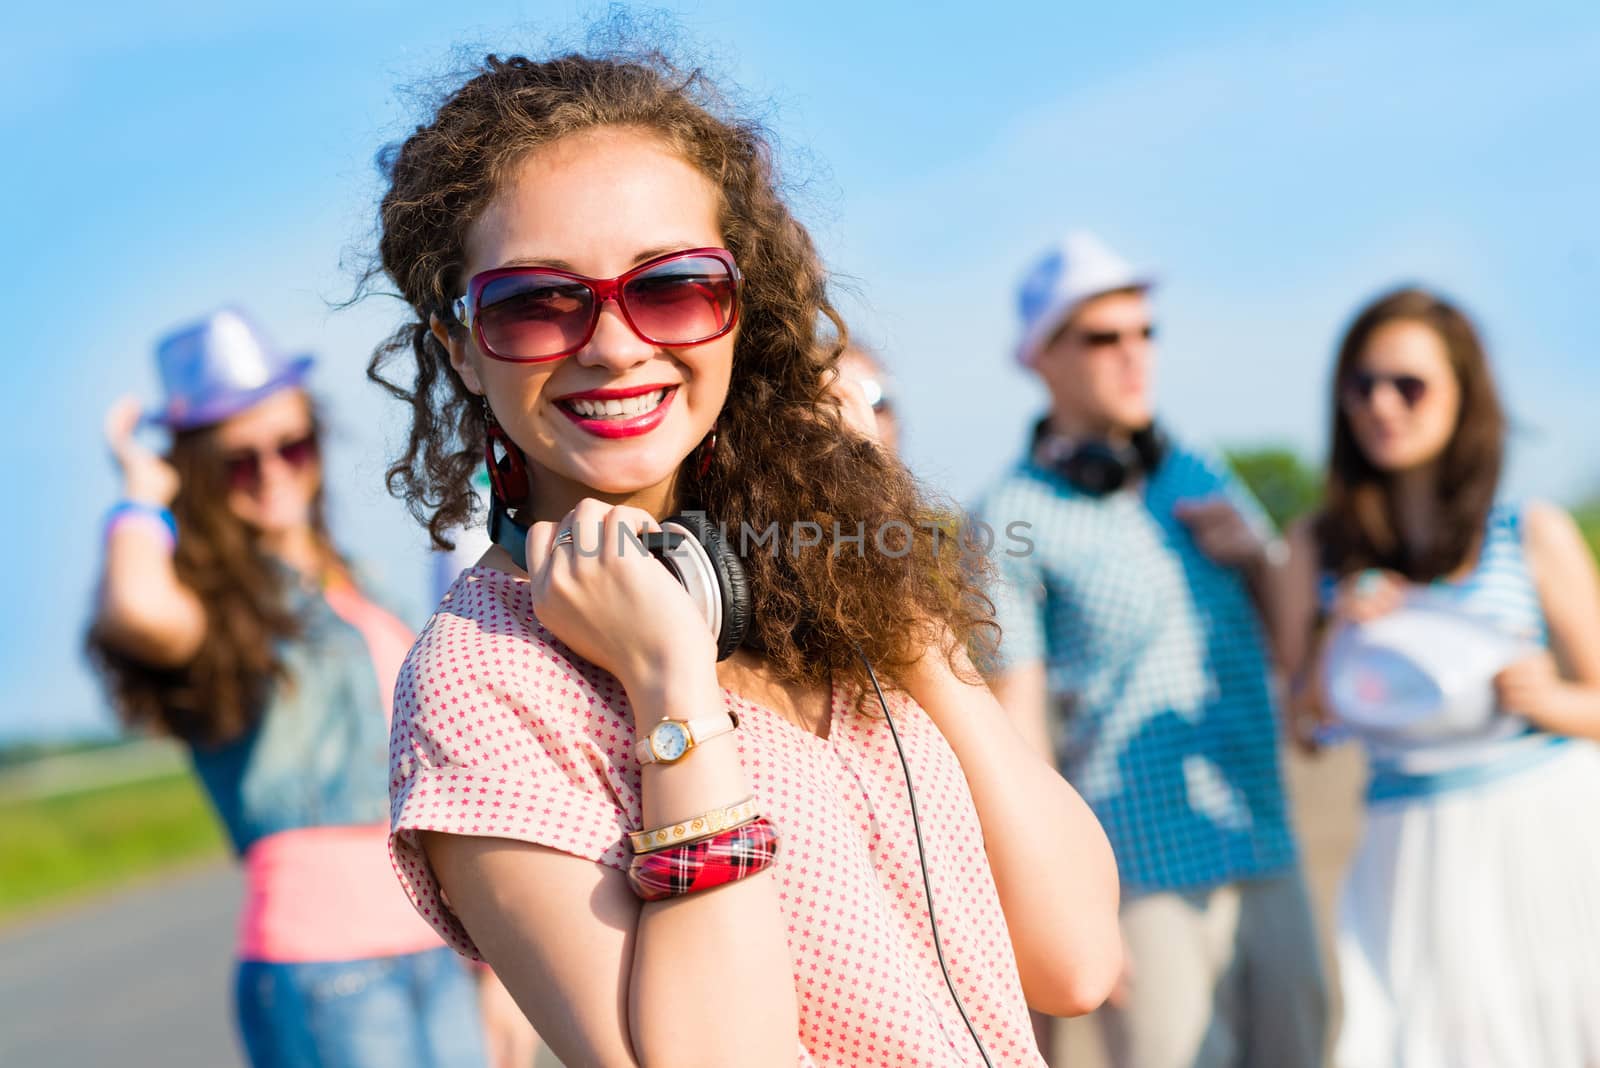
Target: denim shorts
418 1010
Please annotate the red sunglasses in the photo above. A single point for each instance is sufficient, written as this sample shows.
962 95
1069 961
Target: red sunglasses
533 314
243 466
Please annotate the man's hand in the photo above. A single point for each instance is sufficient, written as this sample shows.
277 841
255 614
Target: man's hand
1222 532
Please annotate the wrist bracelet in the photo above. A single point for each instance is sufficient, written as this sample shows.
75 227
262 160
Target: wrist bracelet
693 830
126 511
677 870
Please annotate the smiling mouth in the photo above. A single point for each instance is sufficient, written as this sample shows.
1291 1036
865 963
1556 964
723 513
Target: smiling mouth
617 409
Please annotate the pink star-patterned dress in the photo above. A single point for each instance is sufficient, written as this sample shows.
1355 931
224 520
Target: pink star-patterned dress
501 730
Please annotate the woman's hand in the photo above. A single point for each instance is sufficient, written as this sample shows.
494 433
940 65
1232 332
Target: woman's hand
1533 688
1368 595
146 477
143 608
612 602
510 1038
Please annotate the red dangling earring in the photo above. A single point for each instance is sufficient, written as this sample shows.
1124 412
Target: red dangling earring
508 477
706 450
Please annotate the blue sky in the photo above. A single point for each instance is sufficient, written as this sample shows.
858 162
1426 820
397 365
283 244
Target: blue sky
1274 167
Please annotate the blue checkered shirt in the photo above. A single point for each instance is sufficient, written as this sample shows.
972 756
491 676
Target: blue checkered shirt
1161 708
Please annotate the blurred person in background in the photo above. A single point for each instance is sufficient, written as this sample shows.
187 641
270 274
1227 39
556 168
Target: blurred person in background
227 618
1132 652
859 364
1469 924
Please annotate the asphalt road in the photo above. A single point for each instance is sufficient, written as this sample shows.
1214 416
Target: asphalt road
144 979
140 980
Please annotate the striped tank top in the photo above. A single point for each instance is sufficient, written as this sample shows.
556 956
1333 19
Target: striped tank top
1500 593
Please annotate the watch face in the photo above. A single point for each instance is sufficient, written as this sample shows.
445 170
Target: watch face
669 740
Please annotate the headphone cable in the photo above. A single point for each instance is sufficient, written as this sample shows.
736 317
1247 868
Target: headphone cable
922 860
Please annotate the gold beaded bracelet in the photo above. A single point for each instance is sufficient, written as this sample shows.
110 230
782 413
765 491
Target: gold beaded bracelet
692 830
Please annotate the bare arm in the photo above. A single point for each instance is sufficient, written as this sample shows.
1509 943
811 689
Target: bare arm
1223 533
1023 692
510 1038
606 979
1051 861
1294 612
558 931
1561 691
1270 581
1300 638
143 608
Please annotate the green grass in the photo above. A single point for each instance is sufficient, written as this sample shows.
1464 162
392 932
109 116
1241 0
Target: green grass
55 848
1588 517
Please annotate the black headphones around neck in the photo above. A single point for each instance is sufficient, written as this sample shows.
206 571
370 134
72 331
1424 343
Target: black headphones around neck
1098 468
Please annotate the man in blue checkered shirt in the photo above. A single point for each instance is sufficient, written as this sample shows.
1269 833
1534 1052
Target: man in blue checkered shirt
1133 651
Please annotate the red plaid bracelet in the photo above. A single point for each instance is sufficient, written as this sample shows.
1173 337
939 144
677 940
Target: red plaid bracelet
695 866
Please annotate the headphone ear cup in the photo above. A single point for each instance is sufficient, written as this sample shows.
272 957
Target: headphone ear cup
733 585
737 610
1095 469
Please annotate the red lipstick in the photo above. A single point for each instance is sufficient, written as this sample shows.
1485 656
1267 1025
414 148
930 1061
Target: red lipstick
631 427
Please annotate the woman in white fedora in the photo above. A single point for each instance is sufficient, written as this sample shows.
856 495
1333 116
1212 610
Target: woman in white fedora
226 618
1462 647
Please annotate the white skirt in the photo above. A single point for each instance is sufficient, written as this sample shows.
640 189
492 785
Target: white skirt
1469 925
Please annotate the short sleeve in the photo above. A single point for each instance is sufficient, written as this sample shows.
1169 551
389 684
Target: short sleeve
499 731
1018 590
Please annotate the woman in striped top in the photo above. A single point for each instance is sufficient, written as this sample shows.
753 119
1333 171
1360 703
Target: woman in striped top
1462 648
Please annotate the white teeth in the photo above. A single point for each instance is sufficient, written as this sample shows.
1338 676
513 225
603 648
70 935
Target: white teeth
618 409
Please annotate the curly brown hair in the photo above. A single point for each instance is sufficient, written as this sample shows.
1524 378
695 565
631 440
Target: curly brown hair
218 695
1356 528
783 453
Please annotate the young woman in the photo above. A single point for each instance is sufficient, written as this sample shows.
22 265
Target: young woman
606 284
226 617
1469 928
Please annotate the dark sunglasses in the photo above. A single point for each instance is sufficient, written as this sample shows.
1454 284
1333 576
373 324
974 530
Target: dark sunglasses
1105 339
243 466
1362 385
533 314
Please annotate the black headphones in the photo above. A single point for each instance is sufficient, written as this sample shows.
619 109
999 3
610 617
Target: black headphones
1099 468
694 550
690 547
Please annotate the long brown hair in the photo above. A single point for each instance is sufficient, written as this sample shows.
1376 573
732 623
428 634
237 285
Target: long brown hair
1357 527
782 455
218 695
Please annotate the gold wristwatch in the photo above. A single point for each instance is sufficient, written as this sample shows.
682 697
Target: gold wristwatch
672 739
